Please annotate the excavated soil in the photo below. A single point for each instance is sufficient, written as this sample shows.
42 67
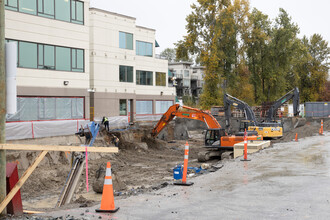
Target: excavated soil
142 164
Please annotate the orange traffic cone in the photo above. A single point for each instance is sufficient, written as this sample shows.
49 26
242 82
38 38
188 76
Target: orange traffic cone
245 147
107 202
296 138
185 167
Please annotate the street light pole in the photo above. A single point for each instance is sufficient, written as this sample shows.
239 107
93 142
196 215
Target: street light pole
2 103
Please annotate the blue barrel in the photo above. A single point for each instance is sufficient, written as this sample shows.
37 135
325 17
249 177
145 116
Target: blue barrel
177 172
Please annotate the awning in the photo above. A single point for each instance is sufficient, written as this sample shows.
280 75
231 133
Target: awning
156 44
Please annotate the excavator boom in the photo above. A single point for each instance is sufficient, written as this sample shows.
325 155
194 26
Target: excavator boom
184 112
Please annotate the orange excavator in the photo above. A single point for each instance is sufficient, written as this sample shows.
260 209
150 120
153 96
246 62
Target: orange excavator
216 140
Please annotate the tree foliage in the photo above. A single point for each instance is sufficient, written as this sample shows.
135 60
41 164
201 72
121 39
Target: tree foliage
250 56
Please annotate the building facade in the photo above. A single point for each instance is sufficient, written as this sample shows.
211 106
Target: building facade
125 76
52 38
187 79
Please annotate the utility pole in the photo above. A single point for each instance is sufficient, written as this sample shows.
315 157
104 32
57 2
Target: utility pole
2 103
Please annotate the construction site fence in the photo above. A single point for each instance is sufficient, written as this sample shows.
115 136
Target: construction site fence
40 129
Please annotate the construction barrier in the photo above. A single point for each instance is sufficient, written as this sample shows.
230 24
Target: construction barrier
245 147
185 168
107 202
15 206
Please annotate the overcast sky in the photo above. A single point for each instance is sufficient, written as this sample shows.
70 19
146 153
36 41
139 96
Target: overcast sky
168 16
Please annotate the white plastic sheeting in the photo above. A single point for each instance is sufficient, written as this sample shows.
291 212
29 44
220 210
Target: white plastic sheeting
115 122
38 129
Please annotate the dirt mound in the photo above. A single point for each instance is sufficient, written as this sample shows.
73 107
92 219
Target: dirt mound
309 129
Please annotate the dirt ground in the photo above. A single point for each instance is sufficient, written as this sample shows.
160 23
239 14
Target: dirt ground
141 165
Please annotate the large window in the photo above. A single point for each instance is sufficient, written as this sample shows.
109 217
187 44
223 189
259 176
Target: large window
42 56
186 82
160 79
122 107
125 73
48 108
143 107
27 55
163 106
77 12
143 48
144 78
64 10
46 8
186 73
126 40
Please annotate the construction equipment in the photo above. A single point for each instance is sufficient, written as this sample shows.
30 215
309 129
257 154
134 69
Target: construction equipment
266 129
216 140
90 132
294 95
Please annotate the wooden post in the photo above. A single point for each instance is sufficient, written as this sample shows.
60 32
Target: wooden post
2 103
21 181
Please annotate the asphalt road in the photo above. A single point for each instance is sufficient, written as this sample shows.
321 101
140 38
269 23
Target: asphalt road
287 181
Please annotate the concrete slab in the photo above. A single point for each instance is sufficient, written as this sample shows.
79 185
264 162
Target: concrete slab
253 146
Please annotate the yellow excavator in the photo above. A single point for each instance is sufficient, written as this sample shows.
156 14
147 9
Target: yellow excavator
270 128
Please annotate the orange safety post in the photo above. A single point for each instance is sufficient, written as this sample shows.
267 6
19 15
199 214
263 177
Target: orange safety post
245 147
185 168
107 202
321 129
296 138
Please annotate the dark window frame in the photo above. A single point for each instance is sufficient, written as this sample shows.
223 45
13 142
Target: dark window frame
126 74
138 74
71 20
55 46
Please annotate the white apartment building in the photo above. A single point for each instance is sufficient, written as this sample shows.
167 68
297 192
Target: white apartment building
126 77
52 38
189 78
73 61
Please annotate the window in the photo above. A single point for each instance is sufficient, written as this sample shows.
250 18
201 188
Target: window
11 5
143 107
46 8
186 73
144 49
63 59
163 106
160 79
77 60
29 7
66 10
126 40
77 12
125 73
62 8
186 82
28 55
144 78
48 108
46 57
50 57
122 107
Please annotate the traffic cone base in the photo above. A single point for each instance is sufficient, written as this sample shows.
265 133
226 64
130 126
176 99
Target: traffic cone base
245 160
110 211
183 184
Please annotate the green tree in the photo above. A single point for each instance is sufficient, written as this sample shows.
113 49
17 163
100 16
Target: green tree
313 68
169 54
257 40
215 29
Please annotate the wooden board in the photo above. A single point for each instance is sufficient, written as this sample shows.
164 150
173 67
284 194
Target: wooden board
58 148
21 181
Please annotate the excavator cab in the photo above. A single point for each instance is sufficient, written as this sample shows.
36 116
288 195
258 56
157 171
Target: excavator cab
213 135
